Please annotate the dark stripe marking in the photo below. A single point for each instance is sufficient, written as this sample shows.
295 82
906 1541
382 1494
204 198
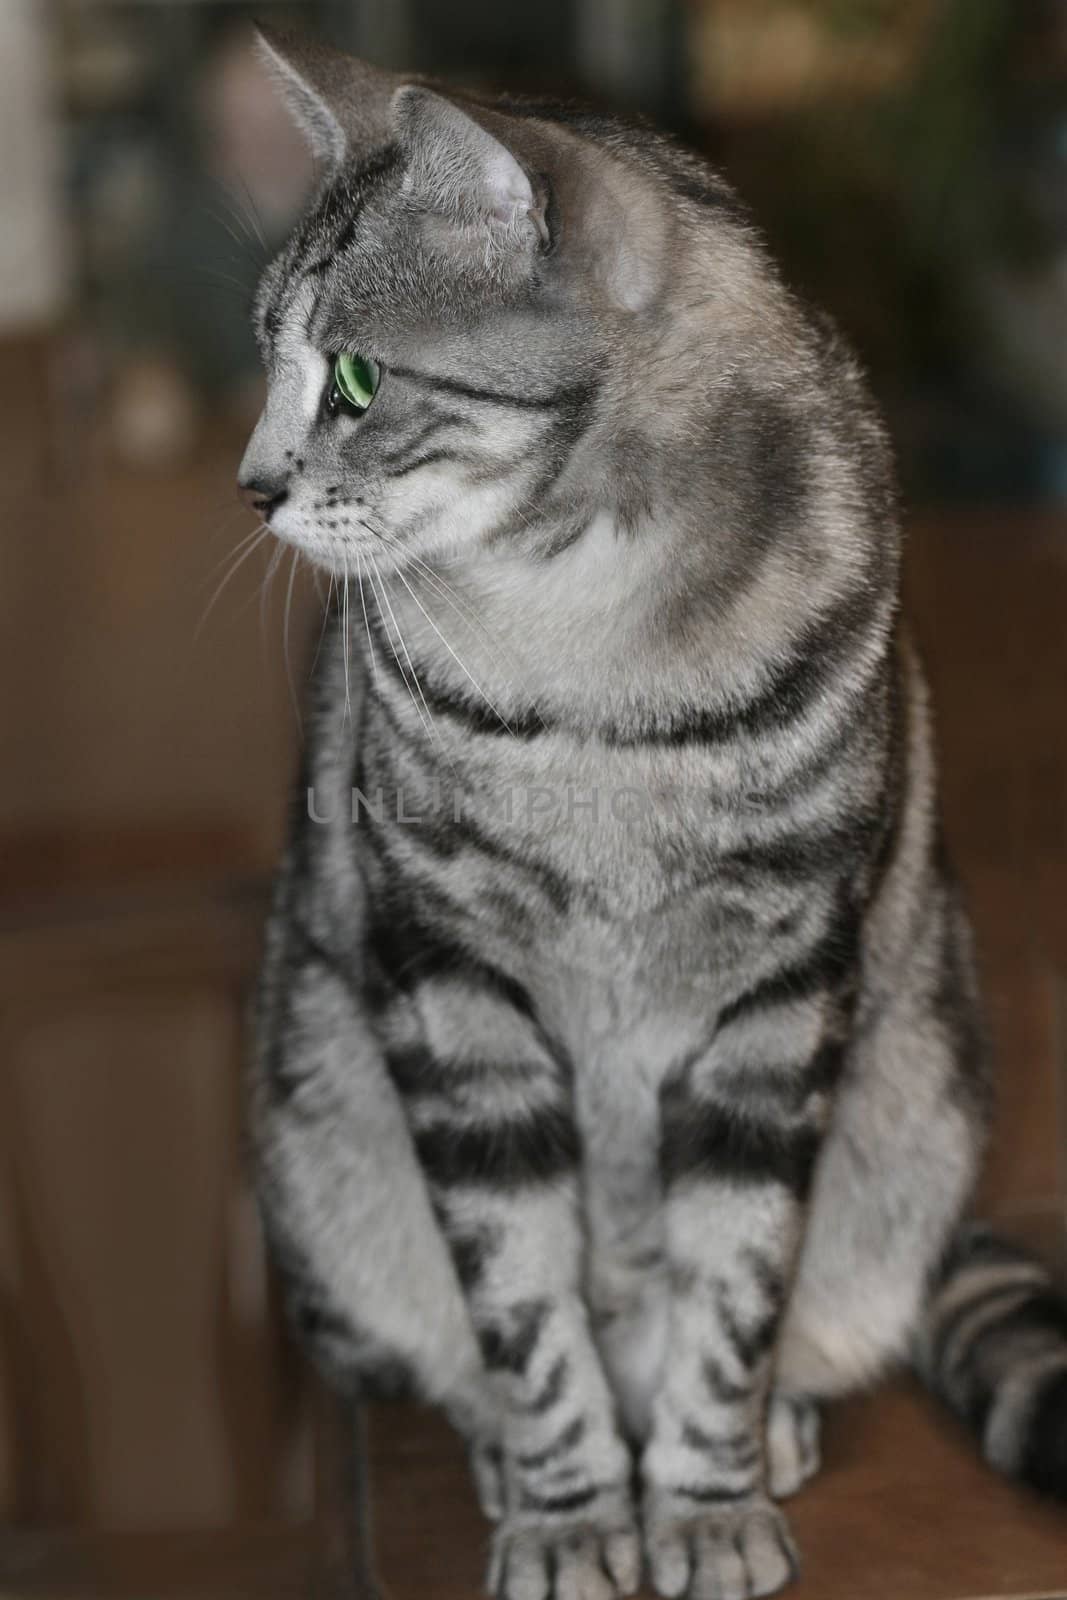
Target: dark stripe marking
427 459
471 1249
572 1435
823 968
731 1144
510 1349
709 1495
721 1387
789 692
404 949
550 1392
749 1344
574 395
508 1154
559 1504
477 715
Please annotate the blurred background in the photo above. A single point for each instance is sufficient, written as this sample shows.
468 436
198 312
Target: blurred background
908 162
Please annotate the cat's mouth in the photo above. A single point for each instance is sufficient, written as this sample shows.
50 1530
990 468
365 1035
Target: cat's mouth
338 541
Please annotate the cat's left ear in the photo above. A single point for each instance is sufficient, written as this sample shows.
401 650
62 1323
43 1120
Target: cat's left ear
458 168
341 104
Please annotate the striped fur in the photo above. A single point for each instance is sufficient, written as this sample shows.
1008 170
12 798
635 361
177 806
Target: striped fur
621 1080
994 1346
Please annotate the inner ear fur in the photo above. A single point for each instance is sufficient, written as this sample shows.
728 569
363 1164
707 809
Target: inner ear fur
459 165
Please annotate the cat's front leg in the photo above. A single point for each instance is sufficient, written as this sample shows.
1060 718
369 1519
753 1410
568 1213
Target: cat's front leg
490 1109
741 1128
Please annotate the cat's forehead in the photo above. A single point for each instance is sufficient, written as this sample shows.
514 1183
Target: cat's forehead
364 259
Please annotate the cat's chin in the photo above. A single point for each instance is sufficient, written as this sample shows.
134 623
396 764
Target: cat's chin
326 550
360 547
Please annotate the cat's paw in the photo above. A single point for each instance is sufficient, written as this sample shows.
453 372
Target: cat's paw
734 1550
590 1560
792 1444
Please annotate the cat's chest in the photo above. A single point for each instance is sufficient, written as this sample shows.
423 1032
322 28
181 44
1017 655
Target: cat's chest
622 833
619 887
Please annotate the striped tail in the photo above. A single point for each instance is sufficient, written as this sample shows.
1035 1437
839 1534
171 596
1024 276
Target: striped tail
994 1347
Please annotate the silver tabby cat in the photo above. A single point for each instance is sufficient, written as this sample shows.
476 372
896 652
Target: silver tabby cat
620 1080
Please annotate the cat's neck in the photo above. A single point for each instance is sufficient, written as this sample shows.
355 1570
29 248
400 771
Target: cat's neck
616 625
522 629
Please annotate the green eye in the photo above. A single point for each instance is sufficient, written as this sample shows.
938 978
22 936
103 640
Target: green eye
355 381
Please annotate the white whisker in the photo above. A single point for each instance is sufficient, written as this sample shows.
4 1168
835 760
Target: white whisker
251 216
241 239
261 534
294 697
325 619
424 715
460 664
264 589
366 619
344 644
465 612
226 512
244 540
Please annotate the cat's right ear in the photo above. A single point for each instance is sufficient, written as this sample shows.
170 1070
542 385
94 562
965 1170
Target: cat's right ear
340 103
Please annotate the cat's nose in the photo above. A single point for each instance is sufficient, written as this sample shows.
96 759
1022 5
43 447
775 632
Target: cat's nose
262 493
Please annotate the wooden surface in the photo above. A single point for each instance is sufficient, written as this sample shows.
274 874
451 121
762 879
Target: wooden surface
252 1563
902 1510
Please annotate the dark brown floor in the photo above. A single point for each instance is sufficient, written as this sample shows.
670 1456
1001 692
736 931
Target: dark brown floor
901 1511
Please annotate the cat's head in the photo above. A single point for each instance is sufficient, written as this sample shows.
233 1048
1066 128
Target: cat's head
467 337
